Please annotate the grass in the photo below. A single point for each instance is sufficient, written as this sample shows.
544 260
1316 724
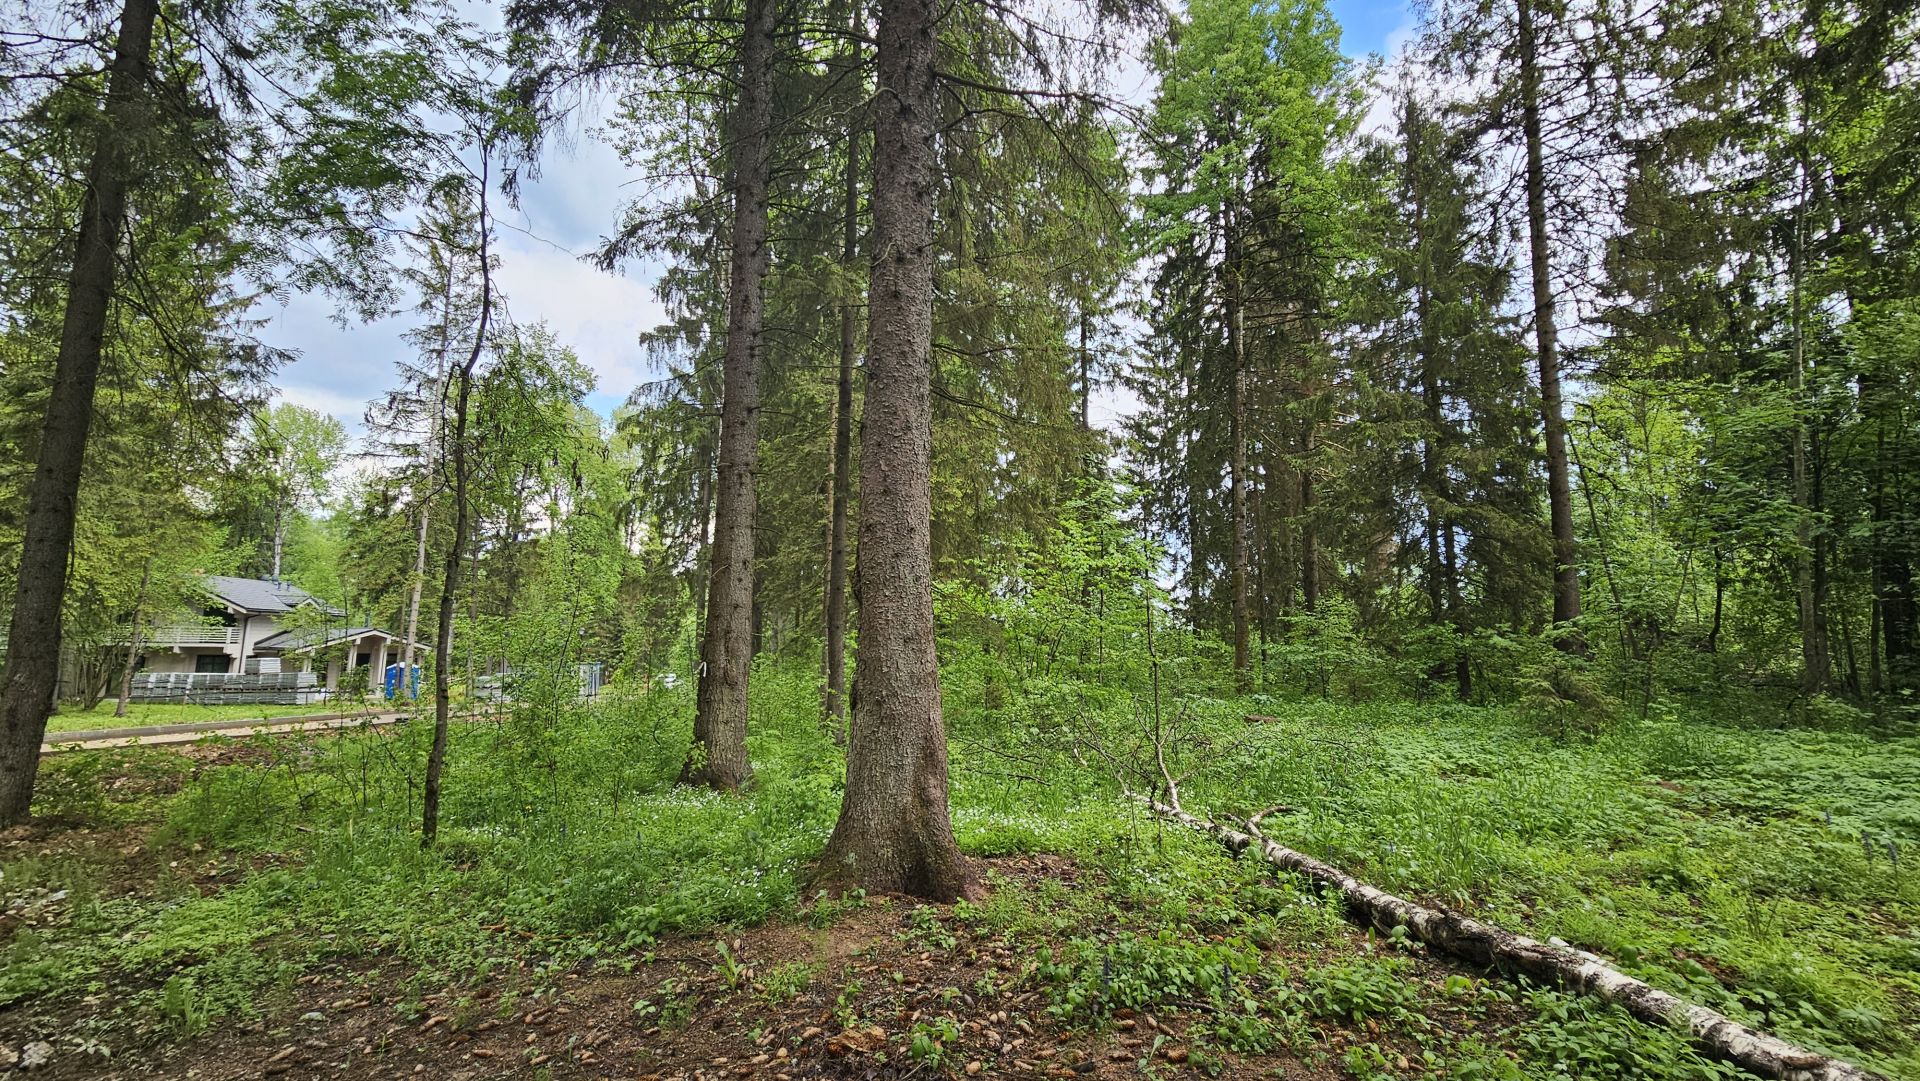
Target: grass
1754 871
143 714
1745 868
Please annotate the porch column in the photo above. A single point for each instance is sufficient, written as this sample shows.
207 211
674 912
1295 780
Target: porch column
378 682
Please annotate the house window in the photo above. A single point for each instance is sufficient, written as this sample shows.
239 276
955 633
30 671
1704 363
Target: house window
363 660
210 663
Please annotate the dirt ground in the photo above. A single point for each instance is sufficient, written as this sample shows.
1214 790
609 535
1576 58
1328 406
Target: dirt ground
782 1002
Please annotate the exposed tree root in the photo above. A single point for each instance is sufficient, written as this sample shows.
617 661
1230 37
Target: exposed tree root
1516 955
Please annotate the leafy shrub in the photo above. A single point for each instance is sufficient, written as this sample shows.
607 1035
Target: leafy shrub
1145 972
69 788
1561 696
1584 1040
1362 989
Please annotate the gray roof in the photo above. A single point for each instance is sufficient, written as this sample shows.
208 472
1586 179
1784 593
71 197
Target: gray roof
313 638
262 595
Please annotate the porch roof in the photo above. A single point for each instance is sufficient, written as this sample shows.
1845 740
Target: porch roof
300 641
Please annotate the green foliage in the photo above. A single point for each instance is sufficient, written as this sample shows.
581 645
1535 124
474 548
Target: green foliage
930 1042
1722 863
782 982
1146 973
1362 989
180 1007
140 714
571 826
1559 694
1585 1039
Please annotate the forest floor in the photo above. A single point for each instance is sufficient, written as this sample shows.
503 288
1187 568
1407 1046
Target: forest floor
874 988
261 907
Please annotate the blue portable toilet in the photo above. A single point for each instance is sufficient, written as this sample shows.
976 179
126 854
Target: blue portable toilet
393 681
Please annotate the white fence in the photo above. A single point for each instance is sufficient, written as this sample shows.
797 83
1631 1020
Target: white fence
191 634
220 688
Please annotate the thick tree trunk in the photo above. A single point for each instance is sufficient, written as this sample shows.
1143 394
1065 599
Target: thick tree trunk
894 833
1566 570
31 675
456 545
835 661
719 759
1516 955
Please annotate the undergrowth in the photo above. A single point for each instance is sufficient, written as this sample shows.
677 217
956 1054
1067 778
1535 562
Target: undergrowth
1762 871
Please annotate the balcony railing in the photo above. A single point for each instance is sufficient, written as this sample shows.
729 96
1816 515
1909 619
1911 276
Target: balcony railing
191 634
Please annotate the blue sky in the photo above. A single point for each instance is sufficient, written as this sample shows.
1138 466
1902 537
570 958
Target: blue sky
562 216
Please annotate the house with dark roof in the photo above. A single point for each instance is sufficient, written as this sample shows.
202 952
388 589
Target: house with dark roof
255 624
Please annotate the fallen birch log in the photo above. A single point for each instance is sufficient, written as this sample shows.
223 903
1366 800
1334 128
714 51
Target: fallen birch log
1490 947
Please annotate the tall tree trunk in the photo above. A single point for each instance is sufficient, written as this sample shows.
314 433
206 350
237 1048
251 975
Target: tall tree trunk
1896 608
1875 683
1889 547
456 546
1086 370
895 833
133 642
835 661
1813 656
703 546
1462 665
1430 485
1822 545
1200 606
1309 532
1429 381
720 718
1443 579
32 671
1566 571
279 536
434 424
1238 554
413 603
1436 606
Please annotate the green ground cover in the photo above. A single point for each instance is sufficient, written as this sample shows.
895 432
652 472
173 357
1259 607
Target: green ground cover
142 714
1762 871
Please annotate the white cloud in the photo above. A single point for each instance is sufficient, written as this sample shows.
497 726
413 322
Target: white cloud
346 406
1383 111
600 315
